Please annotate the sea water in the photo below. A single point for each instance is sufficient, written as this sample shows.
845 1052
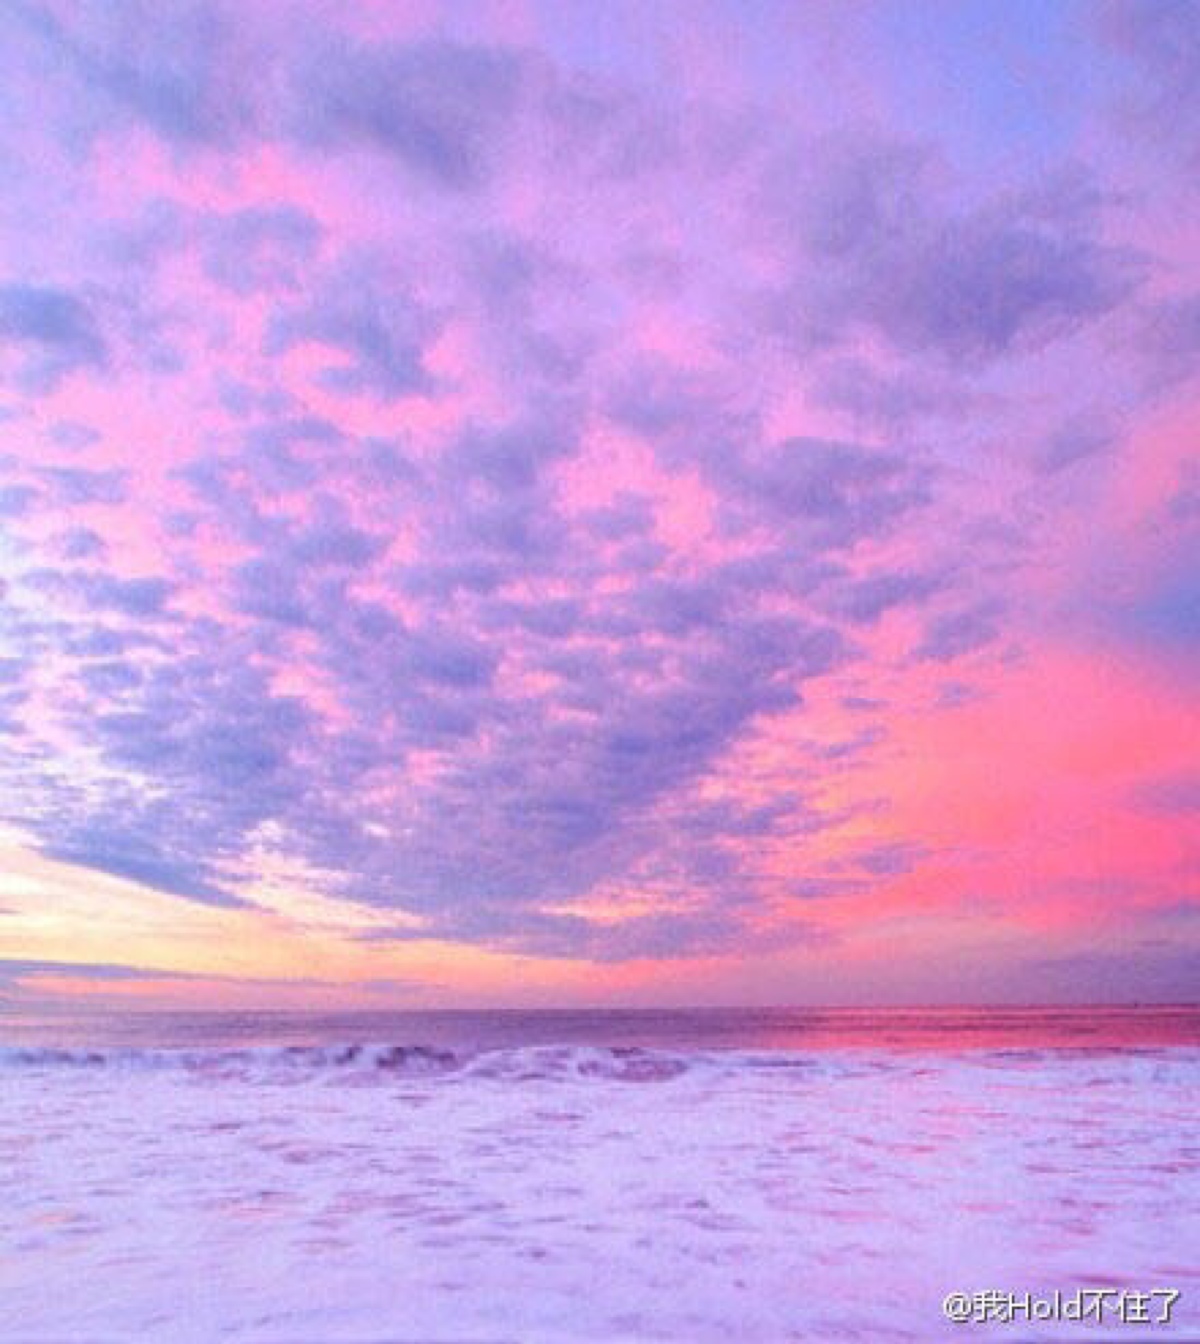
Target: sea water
596 1176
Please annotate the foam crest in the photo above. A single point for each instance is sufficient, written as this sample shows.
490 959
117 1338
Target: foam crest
633 1064
525 1063
418 1059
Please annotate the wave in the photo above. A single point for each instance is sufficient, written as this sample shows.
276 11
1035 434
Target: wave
525 1063
625 1063
421 1059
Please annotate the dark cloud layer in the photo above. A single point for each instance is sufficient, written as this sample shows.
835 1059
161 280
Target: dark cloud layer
52 331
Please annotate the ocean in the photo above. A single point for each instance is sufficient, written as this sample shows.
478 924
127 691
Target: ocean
608 1176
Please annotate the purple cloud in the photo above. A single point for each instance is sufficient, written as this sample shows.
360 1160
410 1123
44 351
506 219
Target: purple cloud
504 486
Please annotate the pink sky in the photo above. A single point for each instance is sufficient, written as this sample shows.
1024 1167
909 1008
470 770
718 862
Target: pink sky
542 504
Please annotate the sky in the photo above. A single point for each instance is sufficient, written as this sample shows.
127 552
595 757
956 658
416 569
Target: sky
598 503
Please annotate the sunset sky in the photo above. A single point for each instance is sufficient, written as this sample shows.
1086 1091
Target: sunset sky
549 503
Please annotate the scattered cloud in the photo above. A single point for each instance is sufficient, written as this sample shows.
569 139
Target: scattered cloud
536 499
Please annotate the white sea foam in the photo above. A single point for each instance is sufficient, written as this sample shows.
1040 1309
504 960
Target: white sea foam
578 1193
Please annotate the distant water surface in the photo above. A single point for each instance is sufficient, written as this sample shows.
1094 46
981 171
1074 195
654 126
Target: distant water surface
702 1028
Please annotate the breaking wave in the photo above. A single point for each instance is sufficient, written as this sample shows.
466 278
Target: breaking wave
624 1063
553 1063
